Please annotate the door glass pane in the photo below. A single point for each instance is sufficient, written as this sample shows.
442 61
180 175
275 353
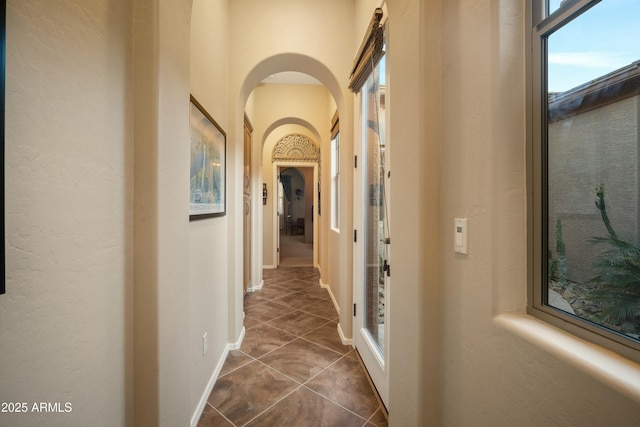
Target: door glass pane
376 219
593 119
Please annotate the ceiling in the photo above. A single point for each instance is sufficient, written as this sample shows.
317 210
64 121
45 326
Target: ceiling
291 77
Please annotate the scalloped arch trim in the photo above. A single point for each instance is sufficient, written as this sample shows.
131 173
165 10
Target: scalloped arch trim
297 148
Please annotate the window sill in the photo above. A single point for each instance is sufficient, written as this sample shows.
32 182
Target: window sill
604 365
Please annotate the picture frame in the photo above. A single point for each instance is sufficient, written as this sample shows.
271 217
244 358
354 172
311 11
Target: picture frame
208 182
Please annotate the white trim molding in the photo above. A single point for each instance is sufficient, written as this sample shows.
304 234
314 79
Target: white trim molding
214 377
345 340
256 288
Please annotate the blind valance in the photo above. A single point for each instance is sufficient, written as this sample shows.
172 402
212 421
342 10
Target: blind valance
370 52
335 125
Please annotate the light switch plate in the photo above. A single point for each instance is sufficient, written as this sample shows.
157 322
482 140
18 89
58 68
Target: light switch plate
461 236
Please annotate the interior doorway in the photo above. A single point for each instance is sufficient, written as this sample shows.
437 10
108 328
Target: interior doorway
295 216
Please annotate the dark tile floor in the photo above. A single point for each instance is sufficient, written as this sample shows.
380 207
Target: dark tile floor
292 369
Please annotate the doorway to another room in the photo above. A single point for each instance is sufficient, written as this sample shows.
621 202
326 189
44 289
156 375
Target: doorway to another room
295 213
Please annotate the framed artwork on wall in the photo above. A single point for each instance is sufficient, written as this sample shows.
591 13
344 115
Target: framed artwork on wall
207 193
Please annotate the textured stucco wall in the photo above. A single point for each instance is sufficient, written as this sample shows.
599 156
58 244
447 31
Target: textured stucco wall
491 376
65 321
68 326
162 297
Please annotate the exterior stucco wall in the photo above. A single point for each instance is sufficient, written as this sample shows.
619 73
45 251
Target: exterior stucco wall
586 150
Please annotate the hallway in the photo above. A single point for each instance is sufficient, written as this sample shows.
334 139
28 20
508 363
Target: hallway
292 368
294 252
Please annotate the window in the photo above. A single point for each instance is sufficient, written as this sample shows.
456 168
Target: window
335 172
585 169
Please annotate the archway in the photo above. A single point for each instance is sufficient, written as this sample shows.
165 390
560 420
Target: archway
341 255
261 71
294 168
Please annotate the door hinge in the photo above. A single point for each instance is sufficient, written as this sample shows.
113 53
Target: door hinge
355 161
354 310
355 236
278 250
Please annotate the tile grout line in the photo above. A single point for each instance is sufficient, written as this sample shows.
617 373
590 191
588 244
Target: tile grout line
366 420
295 338
299 385
372 386
304 384
330 400
315 299
322 346
221 414
337 404
280 329
240 366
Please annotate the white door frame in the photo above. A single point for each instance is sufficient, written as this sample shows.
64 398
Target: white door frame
376 363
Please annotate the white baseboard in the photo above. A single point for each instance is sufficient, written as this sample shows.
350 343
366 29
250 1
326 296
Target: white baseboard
333 299
269 267
256 288
236 345
345 340
214 377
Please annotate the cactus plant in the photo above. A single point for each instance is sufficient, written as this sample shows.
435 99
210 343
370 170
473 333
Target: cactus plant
618 270
603 211
562 258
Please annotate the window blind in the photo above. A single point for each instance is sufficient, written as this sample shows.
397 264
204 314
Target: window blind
370 52
335 125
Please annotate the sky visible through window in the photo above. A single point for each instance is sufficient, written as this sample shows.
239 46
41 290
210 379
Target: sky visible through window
601 40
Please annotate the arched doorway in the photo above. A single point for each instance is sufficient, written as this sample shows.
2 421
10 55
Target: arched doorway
334 254
295 172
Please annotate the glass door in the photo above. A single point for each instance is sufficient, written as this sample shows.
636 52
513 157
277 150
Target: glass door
371 335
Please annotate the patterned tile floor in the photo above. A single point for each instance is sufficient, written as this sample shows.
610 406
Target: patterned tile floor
292 369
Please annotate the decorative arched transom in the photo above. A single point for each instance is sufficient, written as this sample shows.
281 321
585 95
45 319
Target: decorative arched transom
297 148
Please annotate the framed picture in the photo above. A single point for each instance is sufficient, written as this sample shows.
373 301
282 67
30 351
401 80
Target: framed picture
207 194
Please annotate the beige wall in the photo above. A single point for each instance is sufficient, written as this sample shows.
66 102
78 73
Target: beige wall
209 286
108 286
162 300
66 319
492 375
